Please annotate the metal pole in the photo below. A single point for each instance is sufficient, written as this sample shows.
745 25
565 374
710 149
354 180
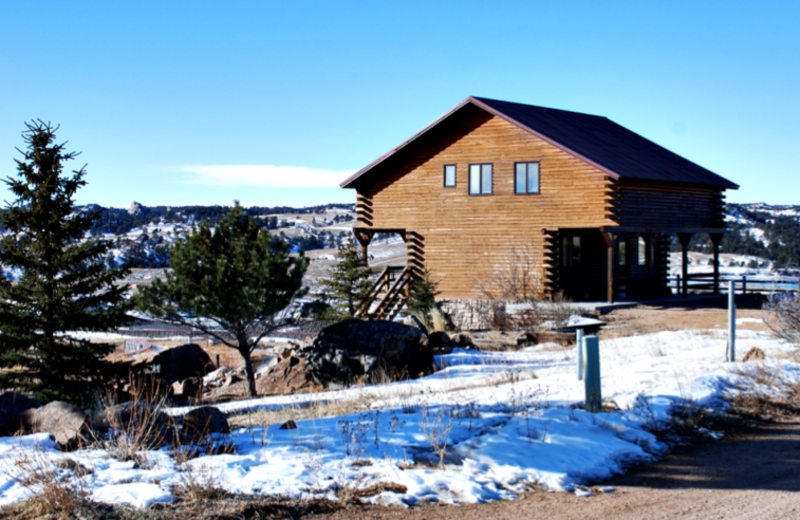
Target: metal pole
594 398
579 347
731 355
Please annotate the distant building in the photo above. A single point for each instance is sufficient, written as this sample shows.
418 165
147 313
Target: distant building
133 346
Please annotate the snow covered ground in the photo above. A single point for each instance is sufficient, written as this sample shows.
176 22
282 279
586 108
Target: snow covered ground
508 420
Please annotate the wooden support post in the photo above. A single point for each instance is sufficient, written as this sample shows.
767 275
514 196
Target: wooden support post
611 242
364 237
684 239
649 256
716 238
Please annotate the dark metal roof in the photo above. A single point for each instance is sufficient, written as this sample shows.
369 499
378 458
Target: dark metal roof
596 140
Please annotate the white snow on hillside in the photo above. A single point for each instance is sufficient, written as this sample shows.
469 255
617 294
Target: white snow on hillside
510 420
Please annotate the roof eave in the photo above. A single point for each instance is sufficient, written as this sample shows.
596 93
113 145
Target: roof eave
347 183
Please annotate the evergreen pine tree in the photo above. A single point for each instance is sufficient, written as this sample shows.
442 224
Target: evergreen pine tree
64 284
234 279
348 286
423 294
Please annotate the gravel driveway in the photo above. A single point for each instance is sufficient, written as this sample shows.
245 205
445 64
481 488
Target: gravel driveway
752 475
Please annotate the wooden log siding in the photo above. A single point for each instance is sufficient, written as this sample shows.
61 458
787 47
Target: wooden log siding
667 206
467 238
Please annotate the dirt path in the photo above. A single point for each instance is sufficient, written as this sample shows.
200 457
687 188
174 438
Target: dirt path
753 475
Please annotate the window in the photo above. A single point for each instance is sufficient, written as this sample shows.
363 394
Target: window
571 251
449 175
480 179
526 177
642 257
623 255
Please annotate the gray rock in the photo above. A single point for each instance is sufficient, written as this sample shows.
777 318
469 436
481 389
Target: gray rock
203 421
189 388
440 343
12 404
352 349
66 423
181 363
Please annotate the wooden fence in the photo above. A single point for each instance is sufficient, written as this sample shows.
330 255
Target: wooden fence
743 284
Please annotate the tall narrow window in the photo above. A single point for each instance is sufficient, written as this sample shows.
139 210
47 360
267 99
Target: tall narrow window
449 175
571 251
623 254
480 179
526 177
642 256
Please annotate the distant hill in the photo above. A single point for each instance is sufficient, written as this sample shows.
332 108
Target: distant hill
141 235
762 230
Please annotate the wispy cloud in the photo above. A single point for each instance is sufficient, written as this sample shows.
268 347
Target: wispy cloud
263 175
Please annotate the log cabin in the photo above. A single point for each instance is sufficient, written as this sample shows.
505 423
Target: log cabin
537 200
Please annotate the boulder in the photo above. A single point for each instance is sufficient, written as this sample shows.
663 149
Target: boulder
12 404
353 349
187 388
133 416
66 423
215 377
754 354
440 343
289 375
203 421
462 341
181 363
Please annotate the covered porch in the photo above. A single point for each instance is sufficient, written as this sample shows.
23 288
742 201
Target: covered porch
614 262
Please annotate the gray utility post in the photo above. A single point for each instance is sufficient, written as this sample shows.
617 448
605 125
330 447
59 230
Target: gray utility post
731 354
594 397
579 354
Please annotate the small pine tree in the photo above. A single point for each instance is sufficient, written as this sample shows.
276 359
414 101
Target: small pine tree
235 279
64 284
423 294
348 286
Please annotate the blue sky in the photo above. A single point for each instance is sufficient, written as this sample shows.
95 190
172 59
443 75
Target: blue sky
276 102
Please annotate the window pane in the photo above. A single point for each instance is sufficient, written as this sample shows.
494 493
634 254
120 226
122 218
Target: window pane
642 251
486 179
576 251
474 179
519 186
565 257
622 253
450 175
533 177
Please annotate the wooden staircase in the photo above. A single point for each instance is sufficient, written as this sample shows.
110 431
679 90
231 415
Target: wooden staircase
388 296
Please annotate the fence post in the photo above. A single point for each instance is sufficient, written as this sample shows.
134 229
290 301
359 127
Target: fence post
677 284
579 355
594 397
731 354
744 285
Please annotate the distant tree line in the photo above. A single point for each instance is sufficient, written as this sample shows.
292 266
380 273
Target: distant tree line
782 232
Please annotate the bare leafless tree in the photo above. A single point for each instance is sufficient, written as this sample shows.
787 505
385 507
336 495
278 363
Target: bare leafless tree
782 316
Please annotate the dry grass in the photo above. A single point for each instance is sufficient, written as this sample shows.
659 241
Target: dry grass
750 401
319 409
56 487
